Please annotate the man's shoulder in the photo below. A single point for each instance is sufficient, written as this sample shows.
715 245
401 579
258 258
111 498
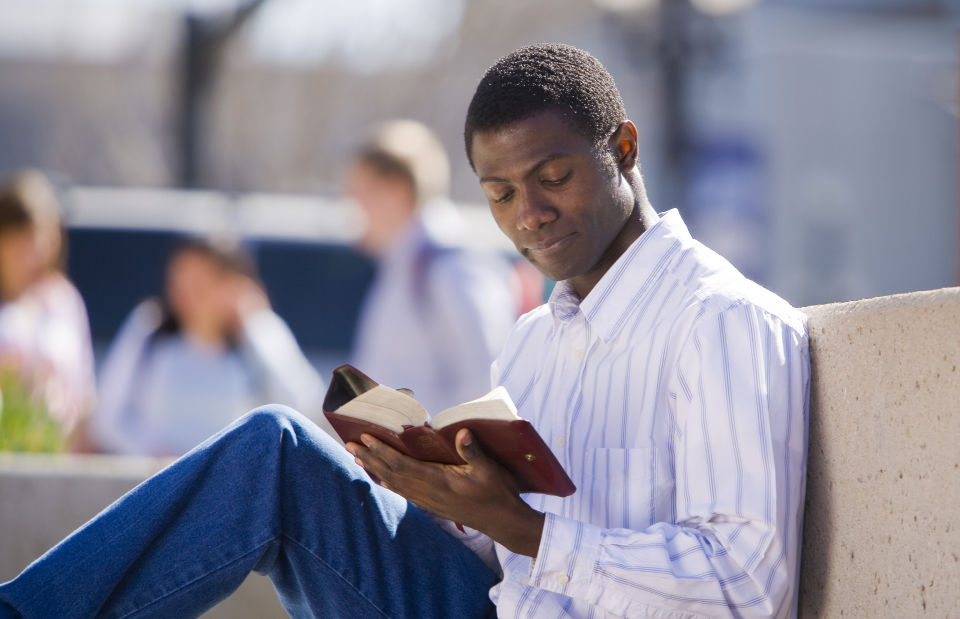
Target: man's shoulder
722 288
696 284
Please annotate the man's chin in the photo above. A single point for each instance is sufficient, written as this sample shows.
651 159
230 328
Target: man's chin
553 273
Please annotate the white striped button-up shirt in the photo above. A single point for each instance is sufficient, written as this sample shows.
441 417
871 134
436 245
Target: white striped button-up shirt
675 395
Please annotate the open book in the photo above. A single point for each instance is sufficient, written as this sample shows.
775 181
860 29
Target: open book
356 404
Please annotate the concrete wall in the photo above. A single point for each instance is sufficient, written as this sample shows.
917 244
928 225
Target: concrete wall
42 499
882 523
881 537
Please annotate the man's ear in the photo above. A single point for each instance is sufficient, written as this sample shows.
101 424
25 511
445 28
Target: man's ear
623 142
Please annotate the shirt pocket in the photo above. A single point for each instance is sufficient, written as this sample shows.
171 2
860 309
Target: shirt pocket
629 488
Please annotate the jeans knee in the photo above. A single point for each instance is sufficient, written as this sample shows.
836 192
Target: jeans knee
271 419
275 428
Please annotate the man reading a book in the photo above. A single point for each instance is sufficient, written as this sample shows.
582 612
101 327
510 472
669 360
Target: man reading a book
671 389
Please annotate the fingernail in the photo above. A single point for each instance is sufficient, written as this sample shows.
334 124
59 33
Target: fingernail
359 462
366 440
351 449
467 439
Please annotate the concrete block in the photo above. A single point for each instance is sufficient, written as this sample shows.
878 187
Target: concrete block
44 498
882 521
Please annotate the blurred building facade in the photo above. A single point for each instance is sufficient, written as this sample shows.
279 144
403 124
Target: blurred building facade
815 143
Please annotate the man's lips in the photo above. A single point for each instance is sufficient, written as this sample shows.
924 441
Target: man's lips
551 245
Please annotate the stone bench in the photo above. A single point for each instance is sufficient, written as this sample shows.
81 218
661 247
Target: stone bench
882 520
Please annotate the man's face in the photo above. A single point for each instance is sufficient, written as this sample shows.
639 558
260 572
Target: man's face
561 202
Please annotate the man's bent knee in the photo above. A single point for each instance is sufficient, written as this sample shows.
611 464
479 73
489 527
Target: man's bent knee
273 420
273 417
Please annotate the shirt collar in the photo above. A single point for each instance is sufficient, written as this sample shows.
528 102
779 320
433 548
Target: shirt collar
634 274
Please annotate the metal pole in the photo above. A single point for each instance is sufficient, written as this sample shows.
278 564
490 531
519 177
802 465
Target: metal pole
204 41
673 56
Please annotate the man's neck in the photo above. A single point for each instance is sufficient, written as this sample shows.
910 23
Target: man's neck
642 218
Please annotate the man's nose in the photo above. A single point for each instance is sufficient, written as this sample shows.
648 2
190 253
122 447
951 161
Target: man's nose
535 211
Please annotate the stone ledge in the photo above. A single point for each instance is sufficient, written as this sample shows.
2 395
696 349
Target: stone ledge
883 490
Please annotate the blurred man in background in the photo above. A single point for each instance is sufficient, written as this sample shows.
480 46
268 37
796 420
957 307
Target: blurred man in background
437 313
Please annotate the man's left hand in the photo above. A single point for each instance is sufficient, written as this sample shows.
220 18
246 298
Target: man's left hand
480 494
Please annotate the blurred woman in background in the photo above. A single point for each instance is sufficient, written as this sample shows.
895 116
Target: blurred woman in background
182 368
44 332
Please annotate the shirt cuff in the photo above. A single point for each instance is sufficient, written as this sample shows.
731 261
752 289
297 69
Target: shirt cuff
568 551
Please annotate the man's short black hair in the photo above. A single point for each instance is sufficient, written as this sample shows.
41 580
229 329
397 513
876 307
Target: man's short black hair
546 76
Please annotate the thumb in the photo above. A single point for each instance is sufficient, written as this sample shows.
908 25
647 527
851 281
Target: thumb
468 448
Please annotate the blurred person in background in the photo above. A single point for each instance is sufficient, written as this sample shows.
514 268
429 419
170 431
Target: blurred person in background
44 331
183 367
437 312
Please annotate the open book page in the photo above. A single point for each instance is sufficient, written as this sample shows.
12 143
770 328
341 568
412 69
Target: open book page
387 407
495 405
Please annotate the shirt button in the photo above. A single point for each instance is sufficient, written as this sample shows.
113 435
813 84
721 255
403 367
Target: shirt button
578 353
563 579
525 582
561 442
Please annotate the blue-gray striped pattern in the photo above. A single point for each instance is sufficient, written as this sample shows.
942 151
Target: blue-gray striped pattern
676 396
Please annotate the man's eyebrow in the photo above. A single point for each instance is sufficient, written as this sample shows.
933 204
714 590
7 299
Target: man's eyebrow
539 164
492 179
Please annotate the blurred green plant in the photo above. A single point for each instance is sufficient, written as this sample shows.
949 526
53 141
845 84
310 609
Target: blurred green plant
25 424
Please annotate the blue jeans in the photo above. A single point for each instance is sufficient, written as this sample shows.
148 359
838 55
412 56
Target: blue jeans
271 493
